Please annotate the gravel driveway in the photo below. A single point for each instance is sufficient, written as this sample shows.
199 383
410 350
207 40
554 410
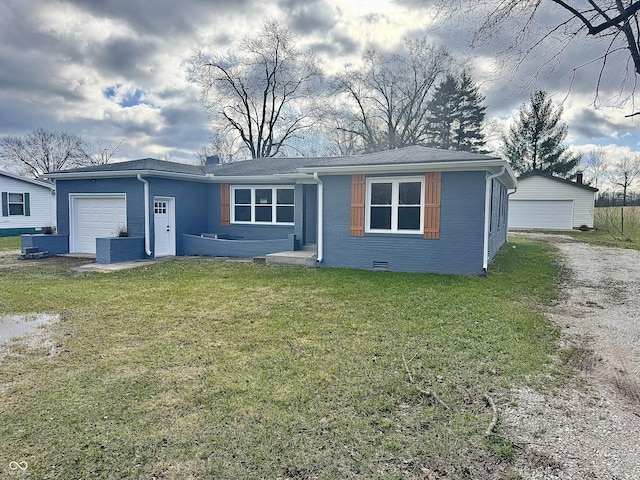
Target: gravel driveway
591 428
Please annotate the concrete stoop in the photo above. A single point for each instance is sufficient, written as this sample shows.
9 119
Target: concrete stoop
301 258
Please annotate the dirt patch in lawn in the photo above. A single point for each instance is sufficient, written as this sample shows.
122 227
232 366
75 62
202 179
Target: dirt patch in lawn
22 333
590 428
9 262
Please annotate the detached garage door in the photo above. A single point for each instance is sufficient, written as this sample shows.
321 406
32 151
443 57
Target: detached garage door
95 216
547 214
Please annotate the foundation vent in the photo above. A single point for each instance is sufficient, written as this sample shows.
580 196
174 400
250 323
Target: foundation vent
381 265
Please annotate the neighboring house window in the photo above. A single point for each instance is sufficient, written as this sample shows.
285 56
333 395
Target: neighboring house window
268 205
395 205
15 204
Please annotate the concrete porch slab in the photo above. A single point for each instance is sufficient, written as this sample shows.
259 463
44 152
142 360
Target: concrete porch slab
302 258
115 267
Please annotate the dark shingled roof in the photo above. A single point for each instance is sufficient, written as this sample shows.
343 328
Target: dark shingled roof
287 165
400 156
150 164
553 177
263 166
406 155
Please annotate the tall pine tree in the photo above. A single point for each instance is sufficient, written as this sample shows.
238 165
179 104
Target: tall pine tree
456 115
536 139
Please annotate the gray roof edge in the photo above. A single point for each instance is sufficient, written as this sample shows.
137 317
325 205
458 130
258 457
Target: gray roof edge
562 180
126 174
147 164
34 181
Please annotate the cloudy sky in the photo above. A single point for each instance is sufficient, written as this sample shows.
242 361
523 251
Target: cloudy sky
115 69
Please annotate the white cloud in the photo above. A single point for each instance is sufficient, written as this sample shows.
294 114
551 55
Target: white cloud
59 58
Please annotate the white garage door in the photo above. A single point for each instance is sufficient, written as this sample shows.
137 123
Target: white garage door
93 217
547 214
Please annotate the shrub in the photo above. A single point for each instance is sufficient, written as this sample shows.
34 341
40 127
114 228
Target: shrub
622 223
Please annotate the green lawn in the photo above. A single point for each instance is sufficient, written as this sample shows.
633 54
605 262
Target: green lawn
202 369
602 238
9 243
607 220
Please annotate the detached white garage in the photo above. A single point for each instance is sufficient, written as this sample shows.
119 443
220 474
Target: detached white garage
95 216
543 201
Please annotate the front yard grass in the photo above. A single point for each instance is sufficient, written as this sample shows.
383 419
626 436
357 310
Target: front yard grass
602 238
9 243
195 368
605 219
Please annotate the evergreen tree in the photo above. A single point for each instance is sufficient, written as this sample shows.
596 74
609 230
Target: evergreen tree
535 140
456 115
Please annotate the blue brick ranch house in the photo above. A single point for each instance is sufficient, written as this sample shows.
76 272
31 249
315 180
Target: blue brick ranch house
412 209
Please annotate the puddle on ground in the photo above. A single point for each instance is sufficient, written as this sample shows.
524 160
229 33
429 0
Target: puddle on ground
19 325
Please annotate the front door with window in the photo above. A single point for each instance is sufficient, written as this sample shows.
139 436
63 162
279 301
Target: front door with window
164 226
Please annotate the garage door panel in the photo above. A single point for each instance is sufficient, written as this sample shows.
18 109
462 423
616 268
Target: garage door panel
95 217
542 214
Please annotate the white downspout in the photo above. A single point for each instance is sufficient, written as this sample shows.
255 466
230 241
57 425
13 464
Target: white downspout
320 233
147 223
53 211
487 217
509 193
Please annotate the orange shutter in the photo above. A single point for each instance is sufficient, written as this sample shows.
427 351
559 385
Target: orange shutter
358 192
432 206
225 208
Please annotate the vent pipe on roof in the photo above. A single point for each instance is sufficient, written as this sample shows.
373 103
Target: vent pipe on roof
579 177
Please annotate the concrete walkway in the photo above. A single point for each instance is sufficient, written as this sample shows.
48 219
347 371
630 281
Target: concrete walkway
304 258
297 258
116 267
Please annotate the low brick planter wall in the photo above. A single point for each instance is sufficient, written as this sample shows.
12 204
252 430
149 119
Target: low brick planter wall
54 244
217 247
119 249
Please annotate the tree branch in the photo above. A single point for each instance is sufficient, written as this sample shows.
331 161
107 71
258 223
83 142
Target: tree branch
623 17
494 419
427 393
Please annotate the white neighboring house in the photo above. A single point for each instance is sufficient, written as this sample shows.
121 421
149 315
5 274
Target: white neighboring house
28 205
543 201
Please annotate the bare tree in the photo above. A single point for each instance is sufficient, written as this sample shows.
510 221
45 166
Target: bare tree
623 175
615 22
262 95
622 224
218 146
102 152
42 151
596 167
387 97
339 128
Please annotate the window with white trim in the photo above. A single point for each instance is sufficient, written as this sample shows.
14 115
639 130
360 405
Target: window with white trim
16 204
395 205
160 207
262 204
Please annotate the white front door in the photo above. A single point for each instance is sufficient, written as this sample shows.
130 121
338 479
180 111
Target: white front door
164 221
